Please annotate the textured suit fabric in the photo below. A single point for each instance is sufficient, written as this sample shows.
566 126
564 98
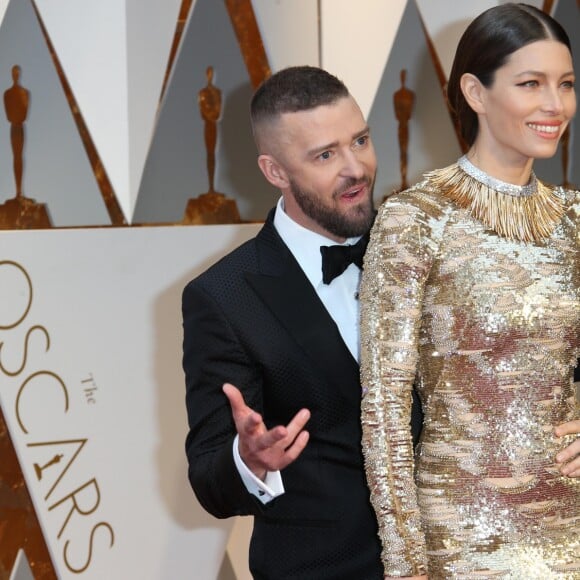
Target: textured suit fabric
253 319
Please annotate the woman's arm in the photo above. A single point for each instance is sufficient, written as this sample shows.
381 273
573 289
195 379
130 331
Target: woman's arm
397 264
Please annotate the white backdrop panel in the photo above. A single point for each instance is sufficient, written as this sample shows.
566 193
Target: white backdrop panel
3 6
356 42
90 39
446 20
92 390
289 30
57 171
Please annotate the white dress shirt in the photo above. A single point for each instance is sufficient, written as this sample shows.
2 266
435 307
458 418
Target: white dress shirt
340 298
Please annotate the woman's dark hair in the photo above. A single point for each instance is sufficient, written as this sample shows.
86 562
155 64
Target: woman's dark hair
486 46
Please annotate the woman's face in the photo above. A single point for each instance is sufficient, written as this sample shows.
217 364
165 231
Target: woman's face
529 105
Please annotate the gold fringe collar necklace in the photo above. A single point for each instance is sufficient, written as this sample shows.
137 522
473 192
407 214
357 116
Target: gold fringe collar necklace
528 213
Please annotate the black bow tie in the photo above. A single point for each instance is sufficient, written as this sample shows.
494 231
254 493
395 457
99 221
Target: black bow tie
336 259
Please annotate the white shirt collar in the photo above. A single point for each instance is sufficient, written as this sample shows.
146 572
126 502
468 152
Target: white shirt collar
304 243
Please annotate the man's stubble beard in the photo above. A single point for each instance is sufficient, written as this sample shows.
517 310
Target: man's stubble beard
343 225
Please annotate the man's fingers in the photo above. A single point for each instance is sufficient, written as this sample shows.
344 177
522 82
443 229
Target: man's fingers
277 448
297 423
240 411
275 460
272 438
250 424
284 437
234 396
260 448
296 448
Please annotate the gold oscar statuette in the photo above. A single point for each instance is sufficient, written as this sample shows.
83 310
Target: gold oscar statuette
20 212
403 101
211 207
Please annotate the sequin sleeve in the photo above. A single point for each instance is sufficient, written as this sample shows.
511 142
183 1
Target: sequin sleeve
574 212
397 264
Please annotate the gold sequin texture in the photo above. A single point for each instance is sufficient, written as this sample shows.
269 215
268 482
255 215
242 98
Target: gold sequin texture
488 328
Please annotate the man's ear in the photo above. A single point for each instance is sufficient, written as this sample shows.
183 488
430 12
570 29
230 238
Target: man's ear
473 91
273 171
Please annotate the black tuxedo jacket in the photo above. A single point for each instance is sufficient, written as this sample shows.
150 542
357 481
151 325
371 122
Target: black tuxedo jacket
254 319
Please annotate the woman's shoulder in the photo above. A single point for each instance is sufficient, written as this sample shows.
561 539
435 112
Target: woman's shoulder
572 203
424 196
571 196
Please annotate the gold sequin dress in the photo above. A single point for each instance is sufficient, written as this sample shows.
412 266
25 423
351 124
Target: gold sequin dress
488 327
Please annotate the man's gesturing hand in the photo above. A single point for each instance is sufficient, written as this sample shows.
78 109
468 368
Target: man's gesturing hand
264 450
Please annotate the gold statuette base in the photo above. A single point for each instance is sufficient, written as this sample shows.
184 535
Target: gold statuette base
23 213
211 208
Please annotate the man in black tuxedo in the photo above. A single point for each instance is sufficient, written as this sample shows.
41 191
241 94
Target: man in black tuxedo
263 318
279 317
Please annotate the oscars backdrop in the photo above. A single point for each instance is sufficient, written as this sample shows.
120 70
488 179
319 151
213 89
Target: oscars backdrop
92 394
126 168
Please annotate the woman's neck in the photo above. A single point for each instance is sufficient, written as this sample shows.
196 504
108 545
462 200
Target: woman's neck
508 170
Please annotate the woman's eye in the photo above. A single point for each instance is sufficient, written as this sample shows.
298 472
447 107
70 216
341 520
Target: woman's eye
528 84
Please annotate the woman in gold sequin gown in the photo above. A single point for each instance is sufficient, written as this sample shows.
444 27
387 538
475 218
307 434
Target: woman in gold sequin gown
471 288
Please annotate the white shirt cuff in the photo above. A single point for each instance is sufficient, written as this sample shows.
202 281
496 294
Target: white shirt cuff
266 490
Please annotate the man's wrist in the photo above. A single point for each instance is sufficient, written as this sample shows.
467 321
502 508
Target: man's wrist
265 490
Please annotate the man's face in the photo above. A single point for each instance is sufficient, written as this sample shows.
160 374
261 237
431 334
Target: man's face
328 161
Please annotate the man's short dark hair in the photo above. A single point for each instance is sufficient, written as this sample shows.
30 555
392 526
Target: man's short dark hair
293 89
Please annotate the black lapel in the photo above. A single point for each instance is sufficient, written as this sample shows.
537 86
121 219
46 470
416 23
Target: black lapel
285 289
